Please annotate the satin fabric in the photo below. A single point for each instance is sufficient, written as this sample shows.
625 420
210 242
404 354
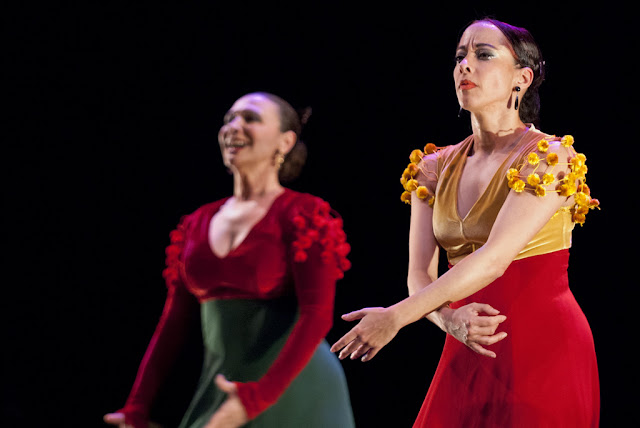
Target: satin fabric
545 374
461 236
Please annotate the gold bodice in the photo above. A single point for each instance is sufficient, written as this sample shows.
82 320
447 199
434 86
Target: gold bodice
461 236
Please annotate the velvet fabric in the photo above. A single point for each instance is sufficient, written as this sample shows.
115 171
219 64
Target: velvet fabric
298 250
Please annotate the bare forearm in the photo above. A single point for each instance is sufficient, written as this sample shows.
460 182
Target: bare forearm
468 276
418 280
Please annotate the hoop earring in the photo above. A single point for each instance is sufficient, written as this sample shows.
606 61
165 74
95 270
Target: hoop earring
517 101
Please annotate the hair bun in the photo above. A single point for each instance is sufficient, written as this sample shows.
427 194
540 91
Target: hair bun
305 114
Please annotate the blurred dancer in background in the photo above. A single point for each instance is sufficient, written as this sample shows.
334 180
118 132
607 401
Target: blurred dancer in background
259 268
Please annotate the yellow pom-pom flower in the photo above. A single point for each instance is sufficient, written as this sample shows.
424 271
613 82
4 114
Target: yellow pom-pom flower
582 210
543 146
582 187
571 177
578 218
567 183
408 180
411 185
578 161
413 169
406 174
422 192
582 199
581 171
512 172
567 188
416 156
518 185
567 141
430 148
548 178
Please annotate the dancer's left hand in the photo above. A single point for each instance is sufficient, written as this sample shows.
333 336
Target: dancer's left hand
231 414
376 328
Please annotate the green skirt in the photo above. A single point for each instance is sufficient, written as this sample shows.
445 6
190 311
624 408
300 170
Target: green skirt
241 340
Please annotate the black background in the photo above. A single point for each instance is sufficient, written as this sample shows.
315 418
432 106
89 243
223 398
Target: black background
113 114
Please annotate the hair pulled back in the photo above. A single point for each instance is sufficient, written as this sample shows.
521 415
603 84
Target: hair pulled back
527 54
290 120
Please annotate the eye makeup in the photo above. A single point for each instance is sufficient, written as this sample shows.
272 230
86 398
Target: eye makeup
483 51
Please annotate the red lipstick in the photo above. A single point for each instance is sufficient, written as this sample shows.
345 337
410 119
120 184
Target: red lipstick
467 84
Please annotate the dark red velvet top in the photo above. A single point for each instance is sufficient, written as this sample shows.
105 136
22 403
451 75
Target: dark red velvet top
298 248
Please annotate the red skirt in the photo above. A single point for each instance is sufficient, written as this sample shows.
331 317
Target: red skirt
545 373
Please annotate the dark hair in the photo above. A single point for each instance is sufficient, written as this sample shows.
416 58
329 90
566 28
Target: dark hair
290 120
527 54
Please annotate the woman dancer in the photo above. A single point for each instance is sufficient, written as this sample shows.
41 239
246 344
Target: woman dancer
503 204
260 268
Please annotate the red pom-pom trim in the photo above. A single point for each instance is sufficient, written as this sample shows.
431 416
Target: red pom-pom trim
317 222
171 273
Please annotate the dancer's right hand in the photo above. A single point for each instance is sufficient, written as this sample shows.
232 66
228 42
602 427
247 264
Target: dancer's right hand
474 330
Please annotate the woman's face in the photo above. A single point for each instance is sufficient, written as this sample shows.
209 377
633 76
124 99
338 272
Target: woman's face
486 73
250 135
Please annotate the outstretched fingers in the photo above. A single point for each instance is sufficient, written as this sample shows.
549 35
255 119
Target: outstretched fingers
349 342
377 326
355 315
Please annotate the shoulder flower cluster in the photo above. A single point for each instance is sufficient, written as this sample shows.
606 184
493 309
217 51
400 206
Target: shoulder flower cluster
317 222
408 180
566 184
171 273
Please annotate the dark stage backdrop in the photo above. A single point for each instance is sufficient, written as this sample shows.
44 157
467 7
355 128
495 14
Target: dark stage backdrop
114 111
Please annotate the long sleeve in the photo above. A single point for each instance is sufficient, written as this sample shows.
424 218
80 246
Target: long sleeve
318 259
179 313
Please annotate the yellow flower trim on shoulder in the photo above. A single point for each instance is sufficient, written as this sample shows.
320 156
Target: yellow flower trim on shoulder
543 146
567 141
565 184
409 183
552 159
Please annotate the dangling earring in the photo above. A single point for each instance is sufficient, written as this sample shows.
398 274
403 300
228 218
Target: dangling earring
278 159
517 101
460 112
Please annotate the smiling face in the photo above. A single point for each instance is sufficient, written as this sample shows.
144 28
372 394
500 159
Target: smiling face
486 72
250 135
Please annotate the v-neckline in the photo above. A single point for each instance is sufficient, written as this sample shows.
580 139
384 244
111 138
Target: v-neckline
461 166
249 233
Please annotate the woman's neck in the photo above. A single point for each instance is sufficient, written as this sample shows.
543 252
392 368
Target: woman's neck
255 184
496 133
